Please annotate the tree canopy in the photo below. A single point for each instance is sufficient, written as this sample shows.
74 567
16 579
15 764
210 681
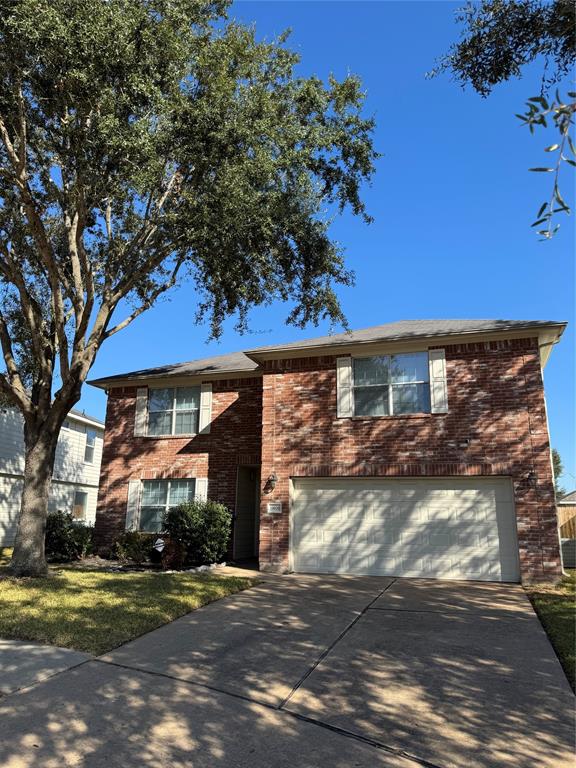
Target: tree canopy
558 469
499 38
143 143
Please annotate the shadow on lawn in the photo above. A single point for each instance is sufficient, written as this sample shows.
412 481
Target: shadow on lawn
94 612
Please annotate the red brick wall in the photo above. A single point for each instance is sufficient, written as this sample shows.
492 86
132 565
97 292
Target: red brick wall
496 425
234 439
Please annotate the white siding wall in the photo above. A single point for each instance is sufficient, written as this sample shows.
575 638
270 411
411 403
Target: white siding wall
71 473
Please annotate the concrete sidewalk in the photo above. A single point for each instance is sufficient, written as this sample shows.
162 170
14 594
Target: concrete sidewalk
23 664
313 671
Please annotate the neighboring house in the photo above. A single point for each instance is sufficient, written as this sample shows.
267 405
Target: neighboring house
74 485
416 448
567 515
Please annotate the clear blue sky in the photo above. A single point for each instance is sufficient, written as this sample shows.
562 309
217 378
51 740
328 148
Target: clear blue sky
452 201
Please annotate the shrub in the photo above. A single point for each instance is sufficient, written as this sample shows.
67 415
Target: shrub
84 535
134 546
202 528
66 539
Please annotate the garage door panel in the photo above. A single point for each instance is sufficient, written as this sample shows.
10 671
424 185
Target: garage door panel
442 527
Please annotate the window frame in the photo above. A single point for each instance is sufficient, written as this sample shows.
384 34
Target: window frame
390 386
78 492
173 411
90 446
167 505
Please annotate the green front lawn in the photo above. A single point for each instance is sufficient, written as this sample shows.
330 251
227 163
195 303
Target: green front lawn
555 605
94 611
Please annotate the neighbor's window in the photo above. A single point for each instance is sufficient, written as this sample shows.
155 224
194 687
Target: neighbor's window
80 505
157 498
173 411
391 384
89 449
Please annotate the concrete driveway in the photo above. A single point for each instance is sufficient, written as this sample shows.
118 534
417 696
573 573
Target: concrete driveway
310 671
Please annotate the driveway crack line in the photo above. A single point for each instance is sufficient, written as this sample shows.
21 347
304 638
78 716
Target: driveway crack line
274 708
325 653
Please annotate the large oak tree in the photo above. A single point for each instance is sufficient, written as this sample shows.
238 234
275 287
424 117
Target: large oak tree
144 142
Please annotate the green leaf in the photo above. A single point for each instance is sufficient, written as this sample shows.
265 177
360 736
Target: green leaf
540 221
539 100
542 170
572 162
571 144
542 209
552 148
558 197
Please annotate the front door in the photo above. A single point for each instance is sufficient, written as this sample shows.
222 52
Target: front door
245 523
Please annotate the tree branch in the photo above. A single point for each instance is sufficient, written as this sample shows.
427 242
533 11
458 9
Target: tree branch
146 304
14 385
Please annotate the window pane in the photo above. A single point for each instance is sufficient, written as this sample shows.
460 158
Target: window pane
181 491
371 401
161 400
151 519
160 423
89 454
371 370
154 493
90 437
80 503
186 423
187 398
411 398
406 368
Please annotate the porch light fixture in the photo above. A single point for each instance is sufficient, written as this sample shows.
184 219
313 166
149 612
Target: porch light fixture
271 482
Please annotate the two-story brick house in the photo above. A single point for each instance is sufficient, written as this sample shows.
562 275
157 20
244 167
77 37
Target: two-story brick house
417 448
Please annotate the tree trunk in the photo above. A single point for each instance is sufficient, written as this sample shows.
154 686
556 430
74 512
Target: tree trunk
29 558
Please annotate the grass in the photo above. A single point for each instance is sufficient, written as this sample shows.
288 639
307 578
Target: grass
94 612
555 605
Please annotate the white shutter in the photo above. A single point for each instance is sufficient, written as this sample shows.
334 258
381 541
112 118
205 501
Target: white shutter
438 388
344 396
205 409
201 489
141 415
133 506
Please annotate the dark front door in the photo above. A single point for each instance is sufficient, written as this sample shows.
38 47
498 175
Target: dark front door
246 521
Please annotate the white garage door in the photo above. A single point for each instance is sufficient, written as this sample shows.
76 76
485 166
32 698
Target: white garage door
447 528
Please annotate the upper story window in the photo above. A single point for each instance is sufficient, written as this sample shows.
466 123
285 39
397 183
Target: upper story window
173 411
391 384
90 445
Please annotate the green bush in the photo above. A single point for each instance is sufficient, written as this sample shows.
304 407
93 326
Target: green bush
133 546
202 528
66 539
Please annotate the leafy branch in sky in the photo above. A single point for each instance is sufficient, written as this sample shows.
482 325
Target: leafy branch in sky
499 38
538 113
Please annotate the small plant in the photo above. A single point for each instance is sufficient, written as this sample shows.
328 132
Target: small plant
66 538
133 546
202 528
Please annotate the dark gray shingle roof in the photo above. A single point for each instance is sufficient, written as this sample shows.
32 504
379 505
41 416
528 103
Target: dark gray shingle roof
76 412
237 362
406 329
232 363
